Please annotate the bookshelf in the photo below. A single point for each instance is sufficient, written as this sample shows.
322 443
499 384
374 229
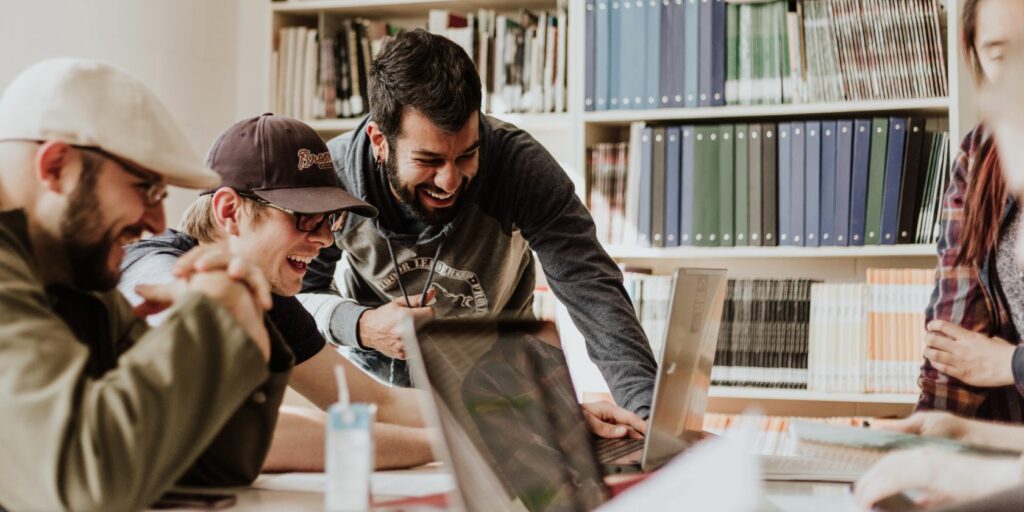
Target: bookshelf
567 135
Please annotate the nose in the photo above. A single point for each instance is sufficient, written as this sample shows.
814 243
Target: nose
448 178
323 235
154 219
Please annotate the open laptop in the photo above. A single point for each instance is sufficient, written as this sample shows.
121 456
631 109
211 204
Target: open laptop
684 375
503 396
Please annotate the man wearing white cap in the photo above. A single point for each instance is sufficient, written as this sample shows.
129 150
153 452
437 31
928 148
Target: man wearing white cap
100 412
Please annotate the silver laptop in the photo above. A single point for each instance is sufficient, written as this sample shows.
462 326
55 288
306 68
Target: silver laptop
684 376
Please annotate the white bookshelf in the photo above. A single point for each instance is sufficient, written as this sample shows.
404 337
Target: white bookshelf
567 135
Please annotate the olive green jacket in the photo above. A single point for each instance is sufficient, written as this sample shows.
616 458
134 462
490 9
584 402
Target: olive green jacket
100 412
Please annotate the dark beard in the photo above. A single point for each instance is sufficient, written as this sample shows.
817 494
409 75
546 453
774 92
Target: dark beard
411 200
87 256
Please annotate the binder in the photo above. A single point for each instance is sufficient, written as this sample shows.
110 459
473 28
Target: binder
691 48
911 189
705 52
718 47
653 71
859 180
590 55
726 185
658 188
812 183
755 193
893 179
798 137
646 174
876 181
673 181
844 180
741 197
769 186
686 208
631 53
615 41
785 185
826 227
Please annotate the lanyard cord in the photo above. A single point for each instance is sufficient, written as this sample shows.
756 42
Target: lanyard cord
430 276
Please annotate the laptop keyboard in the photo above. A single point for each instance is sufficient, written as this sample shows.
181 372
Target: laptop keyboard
608 450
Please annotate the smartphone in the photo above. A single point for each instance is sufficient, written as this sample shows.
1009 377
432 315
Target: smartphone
175 499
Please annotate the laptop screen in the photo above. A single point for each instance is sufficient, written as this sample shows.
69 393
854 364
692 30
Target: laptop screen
505 388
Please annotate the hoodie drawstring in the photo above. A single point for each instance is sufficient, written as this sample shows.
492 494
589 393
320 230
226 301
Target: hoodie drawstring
426 287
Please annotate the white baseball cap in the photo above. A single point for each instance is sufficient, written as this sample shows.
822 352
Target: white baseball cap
88 103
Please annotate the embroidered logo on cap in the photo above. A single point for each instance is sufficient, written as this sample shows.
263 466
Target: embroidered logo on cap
307 159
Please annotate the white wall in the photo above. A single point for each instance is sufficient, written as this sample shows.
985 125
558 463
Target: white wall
187 51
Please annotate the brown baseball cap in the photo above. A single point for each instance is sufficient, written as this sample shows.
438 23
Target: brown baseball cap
284 162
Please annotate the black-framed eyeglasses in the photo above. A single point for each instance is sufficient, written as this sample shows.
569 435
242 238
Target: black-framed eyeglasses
153 190
306 222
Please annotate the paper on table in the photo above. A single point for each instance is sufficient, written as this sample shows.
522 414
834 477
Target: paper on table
717 474
402 484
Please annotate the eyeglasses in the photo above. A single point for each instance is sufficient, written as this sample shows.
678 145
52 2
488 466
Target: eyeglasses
154 190
306 222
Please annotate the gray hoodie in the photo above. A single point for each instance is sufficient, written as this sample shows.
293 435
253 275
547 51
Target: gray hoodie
520 199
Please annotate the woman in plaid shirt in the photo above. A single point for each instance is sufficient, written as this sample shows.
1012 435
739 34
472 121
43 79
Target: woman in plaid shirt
973 364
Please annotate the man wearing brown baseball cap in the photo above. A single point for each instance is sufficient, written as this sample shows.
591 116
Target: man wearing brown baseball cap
99 411
278 204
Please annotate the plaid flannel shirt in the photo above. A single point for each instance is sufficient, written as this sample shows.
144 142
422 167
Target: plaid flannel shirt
972 298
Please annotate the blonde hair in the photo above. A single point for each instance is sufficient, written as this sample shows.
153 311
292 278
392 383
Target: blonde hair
200 223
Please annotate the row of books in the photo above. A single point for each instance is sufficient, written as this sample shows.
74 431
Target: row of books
701 53
869 337
804 183
322 73
798 334
521 57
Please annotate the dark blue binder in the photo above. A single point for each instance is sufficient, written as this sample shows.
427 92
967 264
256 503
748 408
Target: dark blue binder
859 180
812 185
893 179
785 183
718 44
691 51
844 171
652 74
631 53
826 227
591 27
673 180
686 209
646 172
798 136
672 39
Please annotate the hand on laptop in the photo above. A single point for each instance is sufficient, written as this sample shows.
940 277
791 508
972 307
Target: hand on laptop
380 328
609 420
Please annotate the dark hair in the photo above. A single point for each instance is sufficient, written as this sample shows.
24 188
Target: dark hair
986 187
426 72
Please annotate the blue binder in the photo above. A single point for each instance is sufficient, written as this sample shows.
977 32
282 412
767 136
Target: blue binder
893 179
812 184
785 183
652 74
588 86
686 209
859 180
717 93
844 171
826 227
798 137
691 53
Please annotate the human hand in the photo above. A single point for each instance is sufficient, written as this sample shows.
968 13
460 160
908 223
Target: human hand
927 423
941 475
212 257
609 420
380 328
968 356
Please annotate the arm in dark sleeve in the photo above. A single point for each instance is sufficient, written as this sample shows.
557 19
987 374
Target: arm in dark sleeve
542 202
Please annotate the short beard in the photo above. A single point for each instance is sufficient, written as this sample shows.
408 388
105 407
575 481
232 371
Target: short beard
410 199
87 256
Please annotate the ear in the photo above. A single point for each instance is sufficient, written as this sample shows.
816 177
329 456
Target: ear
378 141
227 210
51 160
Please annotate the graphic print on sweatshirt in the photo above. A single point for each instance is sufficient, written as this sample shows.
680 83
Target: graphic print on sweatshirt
459 292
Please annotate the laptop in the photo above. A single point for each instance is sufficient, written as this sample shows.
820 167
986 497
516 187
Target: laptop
684 375
512 426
